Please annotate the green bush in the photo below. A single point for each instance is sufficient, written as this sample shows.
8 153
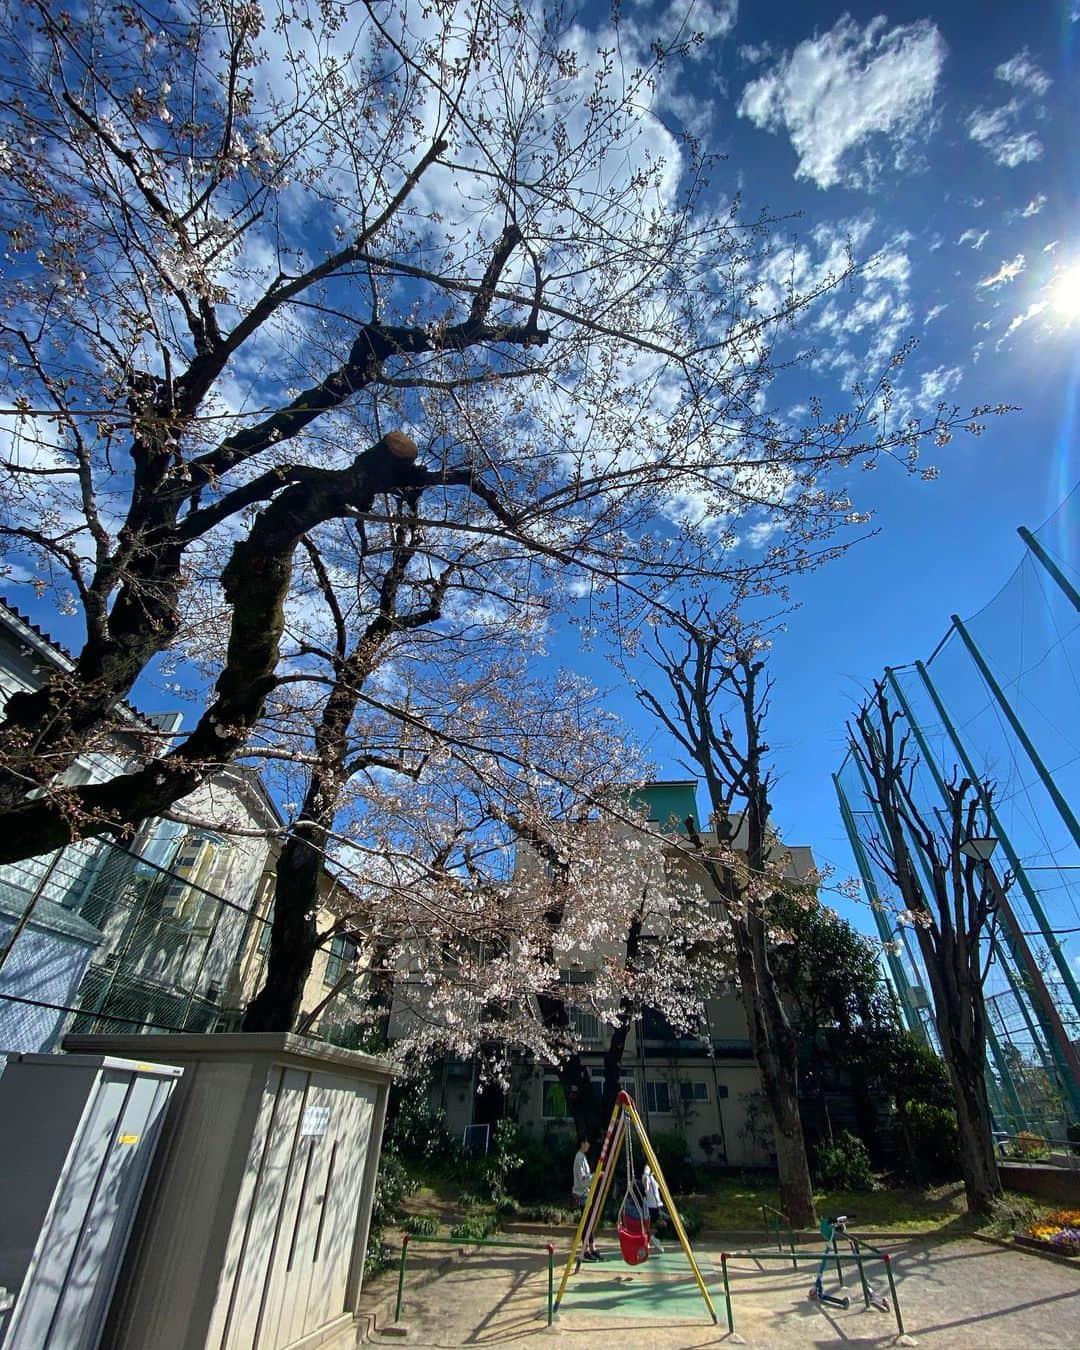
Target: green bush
470 1200
414 1130
844 1164
502 1159
508 1207
1072 1134
544 1173
933 1141
542 1214
1027 1146
420 1225
392 1185
475 1227
691 1221
673 1153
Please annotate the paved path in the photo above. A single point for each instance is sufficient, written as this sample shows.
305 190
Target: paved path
953 1294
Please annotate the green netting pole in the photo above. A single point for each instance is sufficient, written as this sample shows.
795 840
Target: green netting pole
896 968
1015 864
930 760
1051 566
1019 1119
1053 791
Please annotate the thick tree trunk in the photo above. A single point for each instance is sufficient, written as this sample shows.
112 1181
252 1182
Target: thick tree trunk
256 582
776 1051
294 938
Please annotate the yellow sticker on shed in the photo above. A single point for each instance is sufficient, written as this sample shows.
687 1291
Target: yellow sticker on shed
128 1139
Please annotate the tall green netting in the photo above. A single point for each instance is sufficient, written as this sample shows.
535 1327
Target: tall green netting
999 698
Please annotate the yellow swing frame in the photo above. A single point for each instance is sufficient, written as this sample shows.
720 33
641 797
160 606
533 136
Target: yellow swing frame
624 1117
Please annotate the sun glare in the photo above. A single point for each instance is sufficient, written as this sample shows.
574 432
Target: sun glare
1066 290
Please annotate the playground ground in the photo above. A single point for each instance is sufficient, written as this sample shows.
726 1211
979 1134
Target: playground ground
955 1294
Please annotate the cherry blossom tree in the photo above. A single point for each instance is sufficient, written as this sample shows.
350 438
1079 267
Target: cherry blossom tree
269 267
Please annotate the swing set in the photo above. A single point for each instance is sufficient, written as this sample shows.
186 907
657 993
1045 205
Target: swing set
634 1228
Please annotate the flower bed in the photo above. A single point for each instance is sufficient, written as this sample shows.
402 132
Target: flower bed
1058 1232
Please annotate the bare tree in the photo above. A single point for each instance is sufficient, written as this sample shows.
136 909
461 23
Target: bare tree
244 241
951 920
719 699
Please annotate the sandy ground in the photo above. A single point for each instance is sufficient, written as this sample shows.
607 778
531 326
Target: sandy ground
952 1294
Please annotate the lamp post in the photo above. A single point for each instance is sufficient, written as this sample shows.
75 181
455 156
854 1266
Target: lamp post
981 849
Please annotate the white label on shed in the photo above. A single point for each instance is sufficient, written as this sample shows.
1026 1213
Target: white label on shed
315 1121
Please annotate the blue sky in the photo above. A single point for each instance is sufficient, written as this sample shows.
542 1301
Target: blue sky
947 133
940 141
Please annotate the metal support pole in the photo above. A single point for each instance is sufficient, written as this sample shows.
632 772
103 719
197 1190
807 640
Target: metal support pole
1051 566
1053 791
401 1275
892 1291
896 968
1000 1061
1041 994
727 1294
551 1282
1015 864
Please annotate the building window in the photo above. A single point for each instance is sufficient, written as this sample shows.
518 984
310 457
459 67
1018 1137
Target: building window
265 926
554 1105
657 1096
694 1092
341 957
586 1026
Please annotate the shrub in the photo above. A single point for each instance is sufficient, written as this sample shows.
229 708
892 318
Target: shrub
502 1159
546 1163
392 1185
844 1164
674 1156
1028 1146
475 1228
1012 1214
420 1225
933 1141
508 1207
416 1131
1072 1134
691 1221
470 1200
543 1214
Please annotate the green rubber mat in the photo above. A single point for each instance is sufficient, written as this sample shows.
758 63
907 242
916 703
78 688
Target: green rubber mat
663 1286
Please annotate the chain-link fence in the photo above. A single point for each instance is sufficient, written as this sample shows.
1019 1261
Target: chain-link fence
998 699
94 938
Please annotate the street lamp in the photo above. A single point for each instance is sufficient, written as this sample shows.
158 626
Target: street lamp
979 847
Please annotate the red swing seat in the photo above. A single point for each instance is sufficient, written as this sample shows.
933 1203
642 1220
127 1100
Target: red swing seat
634 1235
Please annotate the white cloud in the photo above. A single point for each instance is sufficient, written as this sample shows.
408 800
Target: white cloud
752 54
1049 248
1035 205
683 20
998 129
837 90
1032 312
975 238
1008 271
936 385
1022 72
933 312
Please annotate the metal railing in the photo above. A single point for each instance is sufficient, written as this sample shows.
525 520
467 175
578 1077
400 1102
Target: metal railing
855 1257
549 1249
